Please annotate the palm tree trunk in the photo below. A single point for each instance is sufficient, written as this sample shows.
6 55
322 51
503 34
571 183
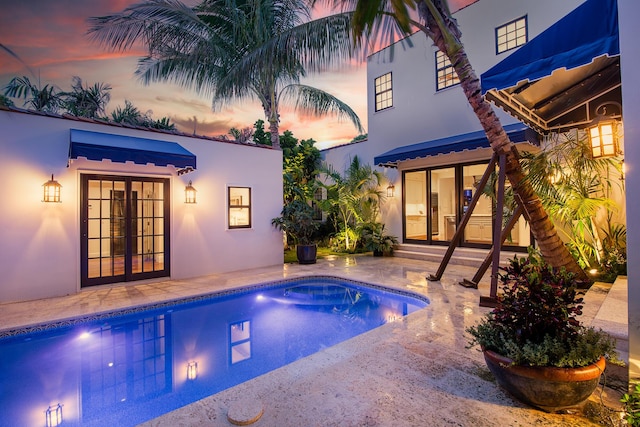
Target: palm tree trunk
274 132
551 246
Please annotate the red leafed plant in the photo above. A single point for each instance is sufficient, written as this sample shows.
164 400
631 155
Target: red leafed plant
535 321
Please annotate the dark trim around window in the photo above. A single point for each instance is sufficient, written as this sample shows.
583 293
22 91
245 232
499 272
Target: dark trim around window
446 75
383 89
516 33
238 207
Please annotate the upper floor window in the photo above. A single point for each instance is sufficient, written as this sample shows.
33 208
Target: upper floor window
511 35
446 76
384 92
239 205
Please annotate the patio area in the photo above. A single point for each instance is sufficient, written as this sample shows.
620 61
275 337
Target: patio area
413 372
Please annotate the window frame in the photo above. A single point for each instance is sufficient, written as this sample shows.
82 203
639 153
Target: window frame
241 206
507 40
439 58
387 92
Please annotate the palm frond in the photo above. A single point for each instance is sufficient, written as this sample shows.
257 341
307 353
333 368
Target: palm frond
317 102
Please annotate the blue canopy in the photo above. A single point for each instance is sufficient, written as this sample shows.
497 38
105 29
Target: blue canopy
517 132
120 148
588 32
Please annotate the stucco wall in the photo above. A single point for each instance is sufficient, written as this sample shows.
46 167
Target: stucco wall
419 112
39 242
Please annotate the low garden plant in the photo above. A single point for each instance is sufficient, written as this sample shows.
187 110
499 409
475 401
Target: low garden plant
535 322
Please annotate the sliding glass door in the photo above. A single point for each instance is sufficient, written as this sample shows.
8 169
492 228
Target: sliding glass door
435 200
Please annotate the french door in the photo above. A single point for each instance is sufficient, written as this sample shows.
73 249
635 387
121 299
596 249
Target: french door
124 229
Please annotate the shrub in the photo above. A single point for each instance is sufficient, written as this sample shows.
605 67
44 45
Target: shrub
534 322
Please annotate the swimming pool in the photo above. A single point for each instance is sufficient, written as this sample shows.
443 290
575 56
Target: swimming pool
130 366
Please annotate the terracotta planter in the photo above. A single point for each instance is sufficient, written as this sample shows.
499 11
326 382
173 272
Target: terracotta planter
306 254
548 388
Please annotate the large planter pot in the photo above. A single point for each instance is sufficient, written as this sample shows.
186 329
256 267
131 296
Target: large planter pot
548 388
306 253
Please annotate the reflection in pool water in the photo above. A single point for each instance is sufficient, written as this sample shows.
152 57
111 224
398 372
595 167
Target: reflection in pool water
125 369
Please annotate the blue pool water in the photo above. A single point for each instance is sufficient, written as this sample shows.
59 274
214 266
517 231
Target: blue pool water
124 368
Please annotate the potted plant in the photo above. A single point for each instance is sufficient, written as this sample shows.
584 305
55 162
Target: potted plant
296 220
375 240
532 341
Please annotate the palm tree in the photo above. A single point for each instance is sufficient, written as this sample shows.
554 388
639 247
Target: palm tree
235 49
128 114
39 98
371 17
86 101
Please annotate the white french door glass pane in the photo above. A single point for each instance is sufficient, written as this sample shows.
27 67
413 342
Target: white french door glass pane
415 205
479 229
443 190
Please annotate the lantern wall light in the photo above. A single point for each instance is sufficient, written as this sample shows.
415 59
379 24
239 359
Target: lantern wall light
391 190
51 191
53 415
189 194
603 132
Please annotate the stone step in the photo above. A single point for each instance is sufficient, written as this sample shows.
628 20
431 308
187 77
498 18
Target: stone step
471 257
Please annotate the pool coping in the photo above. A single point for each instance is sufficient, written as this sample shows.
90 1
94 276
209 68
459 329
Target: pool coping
108 314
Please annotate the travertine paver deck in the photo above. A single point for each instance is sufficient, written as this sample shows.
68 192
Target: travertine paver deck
414 372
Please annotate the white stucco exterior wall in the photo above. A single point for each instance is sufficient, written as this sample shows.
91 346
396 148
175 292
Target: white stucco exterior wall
628 15
419 112
40 242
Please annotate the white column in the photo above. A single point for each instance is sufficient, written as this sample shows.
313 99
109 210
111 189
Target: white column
629 16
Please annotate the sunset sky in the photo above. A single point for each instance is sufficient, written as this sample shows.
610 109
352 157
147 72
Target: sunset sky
50 37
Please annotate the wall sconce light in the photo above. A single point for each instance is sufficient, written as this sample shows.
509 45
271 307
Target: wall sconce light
51 191
192 371
53 415
391 190
189 194
603 133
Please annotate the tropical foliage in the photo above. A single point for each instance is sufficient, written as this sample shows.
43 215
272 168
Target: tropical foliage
535 321
130 115
82 101
576 191
296 220
353 199
631 402
86 101
36 97
235 50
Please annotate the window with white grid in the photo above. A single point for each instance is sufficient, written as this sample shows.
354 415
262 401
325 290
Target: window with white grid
446 76
384 92
511 35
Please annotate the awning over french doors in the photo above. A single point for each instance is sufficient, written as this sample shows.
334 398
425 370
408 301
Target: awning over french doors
121 148
558 80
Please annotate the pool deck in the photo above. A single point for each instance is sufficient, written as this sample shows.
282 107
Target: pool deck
413 372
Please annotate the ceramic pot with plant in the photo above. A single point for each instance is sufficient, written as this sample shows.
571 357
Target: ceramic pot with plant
533 342
296 220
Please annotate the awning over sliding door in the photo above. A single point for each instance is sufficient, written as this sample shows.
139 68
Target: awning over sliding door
120 148
454 144
559 79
